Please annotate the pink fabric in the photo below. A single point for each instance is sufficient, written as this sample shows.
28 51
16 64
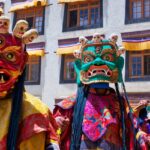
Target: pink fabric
99 113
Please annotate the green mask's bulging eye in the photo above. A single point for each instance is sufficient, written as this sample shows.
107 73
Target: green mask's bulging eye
108 57
88 58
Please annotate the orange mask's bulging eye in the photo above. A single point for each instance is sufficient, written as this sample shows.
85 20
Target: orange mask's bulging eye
10 56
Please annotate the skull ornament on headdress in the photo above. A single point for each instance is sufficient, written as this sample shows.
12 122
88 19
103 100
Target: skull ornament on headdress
99 63
83 40
113 37
12 55
29 36
20 28
4 24
97 38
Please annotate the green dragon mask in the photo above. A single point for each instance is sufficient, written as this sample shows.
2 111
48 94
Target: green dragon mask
98 62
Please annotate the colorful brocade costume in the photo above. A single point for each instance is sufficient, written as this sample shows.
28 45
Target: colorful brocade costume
99 117
36 125
142 112
25 122
101 122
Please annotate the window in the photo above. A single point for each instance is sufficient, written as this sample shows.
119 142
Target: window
33 70
137 11
67 74
34 16
83 15
15 1
2 5
58 100
138 66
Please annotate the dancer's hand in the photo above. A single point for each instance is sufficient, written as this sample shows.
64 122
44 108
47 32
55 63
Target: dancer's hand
62 122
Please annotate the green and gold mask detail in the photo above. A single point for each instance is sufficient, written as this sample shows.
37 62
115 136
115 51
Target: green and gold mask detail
99 63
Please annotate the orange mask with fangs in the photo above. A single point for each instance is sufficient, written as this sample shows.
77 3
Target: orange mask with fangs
12 55
12 62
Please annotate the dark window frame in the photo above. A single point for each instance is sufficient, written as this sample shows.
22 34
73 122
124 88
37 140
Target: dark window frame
2 4
128 66
16 1
58 100
39 75
43 23
62 80
128 19
65 28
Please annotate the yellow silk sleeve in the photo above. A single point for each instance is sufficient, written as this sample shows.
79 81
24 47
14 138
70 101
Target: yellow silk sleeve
36 142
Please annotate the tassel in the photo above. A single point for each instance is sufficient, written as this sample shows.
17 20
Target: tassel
17 98
78 117
130 115
122 117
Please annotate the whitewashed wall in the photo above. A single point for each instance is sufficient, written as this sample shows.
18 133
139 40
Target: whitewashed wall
113 21
114 17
